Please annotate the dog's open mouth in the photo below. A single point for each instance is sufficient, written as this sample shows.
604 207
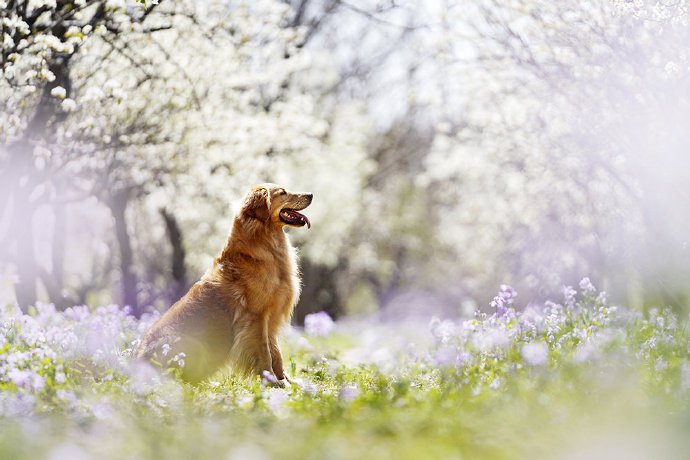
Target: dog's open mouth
292 217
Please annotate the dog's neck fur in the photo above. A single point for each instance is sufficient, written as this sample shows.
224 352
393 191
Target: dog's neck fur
253 245
252 238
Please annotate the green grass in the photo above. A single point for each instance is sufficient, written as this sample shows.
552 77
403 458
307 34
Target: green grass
614 385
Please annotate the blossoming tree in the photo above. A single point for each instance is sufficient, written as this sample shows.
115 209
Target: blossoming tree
176 108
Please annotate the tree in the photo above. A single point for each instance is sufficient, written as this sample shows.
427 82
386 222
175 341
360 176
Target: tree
544 117
544 153
179 109
40 39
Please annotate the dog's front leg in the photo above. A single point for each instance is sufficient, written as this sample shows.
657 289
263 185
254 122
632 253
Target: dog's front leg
263 350
251 352
276 358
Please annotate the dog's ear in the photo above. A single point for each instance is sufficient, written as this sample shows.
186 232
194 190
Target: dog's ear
258 204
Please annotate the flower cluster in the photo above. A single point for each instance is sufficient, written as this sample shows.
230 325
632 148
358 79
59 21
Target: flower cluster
319 323
31 47
76 363
40 352
504 299
581 330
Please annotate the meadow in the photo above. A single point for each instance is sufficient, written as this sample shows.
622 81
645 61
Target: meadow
450 146
576 378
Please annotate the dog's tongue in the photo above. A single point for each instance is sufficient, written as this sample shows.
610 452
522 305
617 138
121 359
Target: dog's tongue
298 215
306 219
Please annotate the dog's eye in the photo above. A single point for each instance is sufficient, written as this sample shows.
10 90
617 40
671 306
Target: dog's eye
282 192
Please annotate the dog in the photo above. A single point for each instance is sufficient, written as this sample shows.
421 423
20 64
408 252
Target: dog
234 313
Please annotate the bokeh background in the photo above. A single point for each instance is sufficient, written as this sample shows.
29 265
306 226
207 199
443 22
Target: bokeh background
451 146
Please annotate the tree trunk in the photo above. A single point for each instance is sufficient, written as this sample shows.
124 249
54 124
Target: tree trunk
25 257
118 206
319 292
58 245
23 180
54 281
21 230
179 270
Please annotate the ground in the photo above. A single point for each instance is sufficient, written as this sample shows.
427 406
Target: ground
573 379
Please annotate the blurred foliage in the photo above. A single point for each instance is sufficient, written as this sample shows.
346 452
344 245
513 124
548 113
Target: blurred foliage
450 145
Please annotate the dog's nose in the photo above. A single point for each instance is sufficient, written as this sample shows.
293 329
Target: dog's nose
310 196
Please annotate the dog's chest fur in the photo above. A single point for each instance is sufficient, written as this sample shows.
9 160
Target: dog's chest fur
278 277
267 282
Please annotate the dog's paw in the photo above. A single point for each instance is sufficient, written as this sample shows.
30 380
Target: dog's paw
268 378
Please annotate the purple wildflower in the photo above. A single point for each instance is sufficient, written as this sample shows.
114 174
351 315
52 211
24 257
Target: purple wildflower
586 286
508 293
349 392
499 304
318 324
268 377
569 296
19 377
503 300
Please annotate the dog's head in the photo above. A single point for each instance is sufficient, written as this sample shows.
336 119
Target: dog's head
271 203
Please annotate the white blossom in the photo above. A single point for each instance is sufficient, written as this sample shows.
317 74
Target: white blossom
58 92
68 105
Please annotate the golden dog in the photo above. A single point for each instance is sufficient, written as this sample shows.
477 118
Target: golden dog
234 313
